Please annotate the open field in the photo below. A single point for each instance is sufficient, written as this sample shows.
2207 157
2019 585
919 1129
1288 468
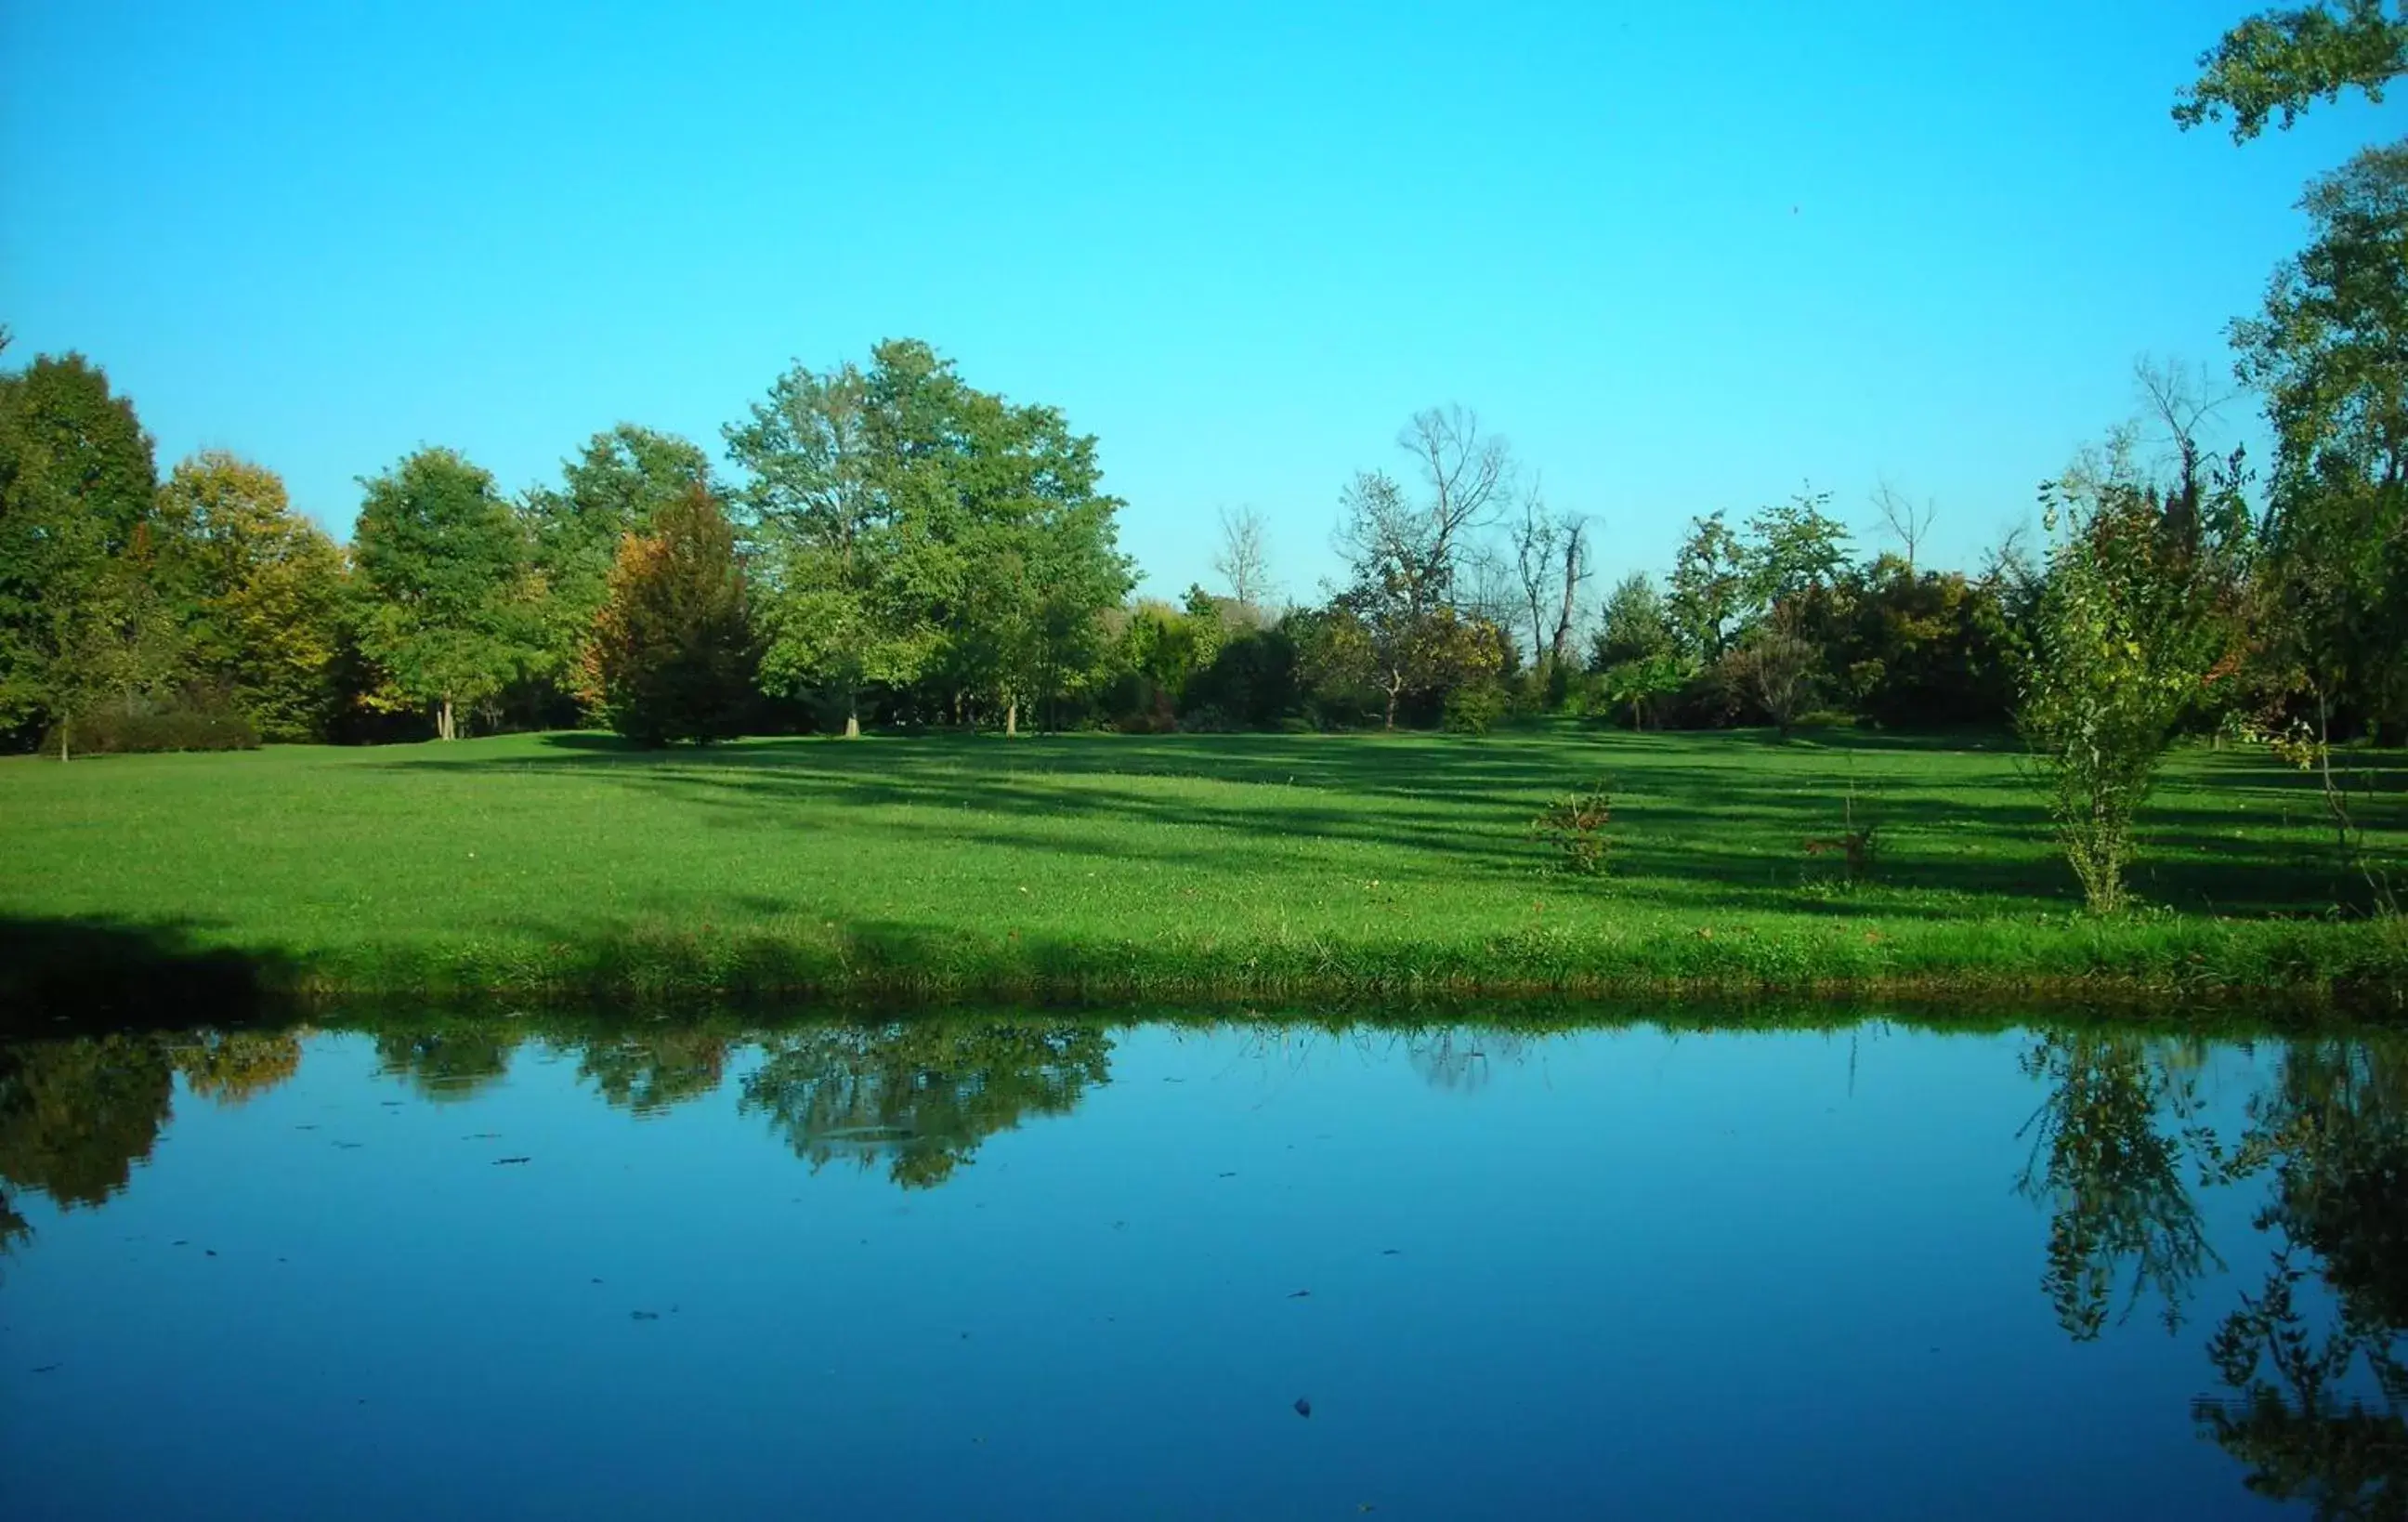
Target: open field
1098 866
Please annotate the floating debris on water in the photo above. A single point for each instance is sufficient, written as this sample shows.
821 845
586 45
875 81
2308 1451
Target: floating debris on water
1301 1294
504 1162
1303 1406
643 1316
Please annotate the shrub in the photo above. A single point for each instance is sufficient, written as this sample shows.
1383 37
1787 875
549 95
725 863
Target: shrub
117 729
1473 709
1573 828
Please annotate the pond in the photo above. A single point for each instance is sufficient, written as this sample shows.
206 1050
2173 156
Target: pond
1042 1267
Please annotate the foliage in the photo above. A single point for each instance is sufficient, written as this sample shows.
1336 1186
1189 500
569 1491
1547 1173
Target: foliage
77 482
1572 828
1472 709
267 590
2328 352
1709 588
2127 635
1777 669
612 488
914 531
2275 65
193 720
672 657
1793 549
1253 679
448 611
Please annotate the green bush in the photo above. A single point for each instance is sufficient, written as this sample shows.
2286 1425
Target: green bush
1473 709
115 730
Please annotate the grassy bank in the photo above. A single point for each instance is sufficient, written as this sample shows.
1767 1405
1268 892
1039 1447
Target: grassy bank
1108 868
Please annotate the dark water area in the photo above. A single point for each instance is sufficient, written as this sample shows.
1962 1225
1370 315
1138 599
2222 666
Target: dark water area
1019 1269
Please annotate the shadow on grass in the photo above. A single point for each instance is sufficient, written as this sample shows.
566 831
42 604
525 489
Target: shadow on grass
1725 817
56 972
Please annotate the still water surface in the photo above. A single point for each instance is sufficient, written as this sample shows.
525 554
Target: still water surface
971 1269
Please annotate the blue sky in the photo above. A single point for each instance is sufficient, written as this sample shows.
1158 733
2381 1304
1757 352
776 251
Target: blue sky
1685 256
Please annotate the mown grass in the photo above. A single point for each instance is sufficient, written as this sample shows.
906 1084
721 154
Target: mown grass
1108 868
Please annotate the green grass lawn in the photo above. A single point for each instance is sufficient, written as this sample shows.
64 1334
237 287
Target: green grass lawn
1123 868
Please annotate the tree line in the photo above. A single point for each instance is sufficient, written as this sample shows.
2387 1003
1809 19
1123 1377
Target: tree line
884 543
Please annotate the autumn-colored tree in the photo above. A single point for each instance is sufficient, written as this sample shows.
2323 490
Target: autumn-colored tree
266 587
673 655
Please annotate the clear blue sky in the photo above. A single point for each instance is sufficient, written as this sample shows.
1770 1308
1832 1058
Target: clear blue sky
1686 256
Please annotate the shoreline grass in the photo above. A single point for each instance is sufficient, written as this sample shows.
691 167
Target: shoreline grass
1106 869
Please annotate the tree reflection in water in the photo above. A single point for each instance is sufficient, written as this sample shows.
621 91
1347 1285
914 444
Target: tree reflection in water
2113 1177
2315 1359
2311 1361
919 1096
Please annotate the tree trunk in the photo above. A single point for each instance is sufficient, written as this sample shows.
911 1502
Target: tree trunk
1390 723
1561 648
443 729
1011 719
64 724
852 726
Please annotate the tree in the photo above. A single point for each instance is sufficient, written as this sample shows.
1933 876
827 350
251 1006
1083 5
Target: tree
672 657
267 589
2330 352
1550 564
449 617
2277 63
1412 551
829 532
915 530
1792 550
1777 666
2123 644
1243 560
614 487
1710 587
1907 522
77 479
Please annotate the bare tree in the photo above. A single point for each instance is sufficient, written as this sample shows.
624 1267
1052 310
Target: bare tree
1575 563
1535 534
1907 521
2174 397
1550 562
1411 552
1244 560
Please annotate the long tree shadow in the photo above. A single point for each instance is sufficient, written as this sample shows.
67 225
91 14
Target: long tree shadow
1688 811
88 972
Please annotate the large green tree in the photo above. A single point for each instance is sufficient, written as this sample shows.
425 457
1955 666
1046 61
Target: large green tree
915 530
841 607
2330 354
446 612
77 485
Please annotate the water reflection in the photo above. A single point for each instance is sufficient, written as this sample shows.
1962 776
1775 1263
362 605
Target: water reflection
919 1096
2305 1369
2112 1152
2313 1360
